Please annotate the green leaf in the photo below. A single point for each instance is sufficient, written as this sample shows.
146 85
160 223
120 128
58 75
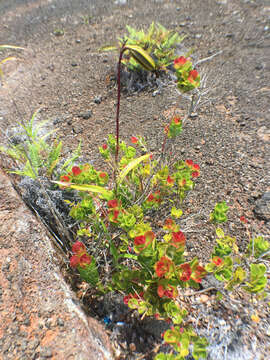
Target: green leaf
259 246
54 157
114 252
90 273
34 156
223 275
210 267
256 271
27 171
14 152
142 57
199 349
133 164
239 274
129 256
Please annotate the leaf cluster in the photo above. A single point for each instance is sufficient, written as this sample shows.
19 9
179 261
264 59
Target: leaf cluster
36 155
158 42
148 263
136 186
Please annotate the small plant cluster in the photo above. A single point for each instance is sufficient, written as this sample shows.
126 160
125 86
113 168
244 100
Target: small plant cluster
118 216
84 263
148 262
158 42
34 155
187 77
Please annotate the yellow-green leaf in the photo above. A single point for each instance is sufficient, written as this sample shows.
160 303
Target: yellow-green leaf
142 57
108 48
220 233
176 212
7 59
134 163
85 187
10 47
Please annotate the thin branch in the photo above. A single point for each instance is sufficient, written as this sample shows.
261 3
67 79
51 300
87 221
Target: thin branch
200 291
208 58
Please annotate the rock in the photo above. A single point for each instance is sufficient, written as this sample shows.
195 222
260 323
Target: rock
97 99
37 289
262 207
204 298
86 115
57 121
45 353
230 35
264 133
34 196
259 67
77 129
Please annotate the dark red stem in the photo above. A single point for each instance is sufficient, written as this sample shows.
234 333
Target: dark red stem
164 142
118 100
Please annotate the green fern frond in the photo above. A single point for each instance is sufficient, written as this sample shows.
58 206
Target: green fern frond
76 153
33 153
27 171
54 157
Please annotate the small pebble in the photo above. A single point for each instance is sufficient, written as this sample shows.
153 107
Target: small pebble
46 352
259 67
60 322
204 298
86 115
97 99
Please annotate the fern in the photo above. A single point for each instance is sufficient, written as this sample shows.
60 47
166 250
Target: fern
14 152
36 155
54 157
27 171
33 153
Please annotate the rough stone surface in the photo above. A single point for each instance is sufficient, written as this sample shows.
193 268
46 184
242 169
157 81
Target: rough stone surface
262 208
40 318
